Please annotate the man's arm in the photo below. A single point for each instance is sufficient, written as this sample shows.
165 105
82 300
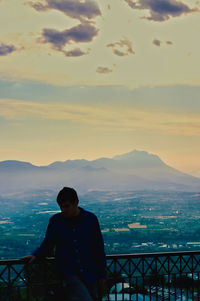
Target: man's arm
99 251
29 259
46 246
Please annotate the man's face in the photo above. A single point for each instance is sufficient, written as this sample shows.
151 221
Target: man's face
68 209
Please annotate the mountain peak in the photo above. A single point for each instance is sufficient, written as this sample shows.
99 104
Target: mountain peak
136 154
130 154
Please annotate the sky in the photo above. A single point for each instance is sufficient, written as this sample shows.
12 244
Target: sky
97 78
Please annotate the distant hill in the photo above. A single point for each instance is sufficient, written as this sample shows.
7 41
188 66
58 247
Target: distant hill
136 170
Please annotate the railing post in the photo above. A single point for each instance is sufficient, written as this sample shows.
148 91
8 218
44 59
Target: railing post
181 276
9 283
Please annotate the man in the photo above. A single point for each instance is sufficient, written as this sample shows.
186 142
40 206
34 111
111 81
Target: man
79 248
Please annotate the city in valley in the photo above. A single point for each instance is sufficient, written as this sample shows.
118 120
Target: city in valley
131 222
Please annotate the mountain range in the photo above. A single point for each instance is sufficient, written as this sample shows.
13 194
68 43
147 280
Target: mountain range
136 170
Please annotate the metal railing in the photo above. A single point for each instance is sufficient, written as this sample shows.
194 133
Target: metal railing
135 277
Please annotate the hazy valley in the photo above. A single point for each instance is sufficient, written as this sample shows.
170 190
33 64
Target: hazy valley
143 204
142 221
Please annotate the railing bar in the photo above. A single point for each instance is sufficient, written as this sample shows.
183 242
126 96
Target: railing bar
122 265
18 275
45 279
181 275
196 262
1 275
143 273
137 288
115 271
162 264
9 284
181 289
168 277
28 287
143 287
187 292
120 256
150 291
186 262
174 263
192 259
158 254
3 271
129 277
149 265
122 291
137 266
175 286
156 268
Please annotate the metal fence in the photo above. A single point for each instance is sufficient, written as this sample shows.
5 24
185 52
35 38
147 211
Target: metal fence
132 277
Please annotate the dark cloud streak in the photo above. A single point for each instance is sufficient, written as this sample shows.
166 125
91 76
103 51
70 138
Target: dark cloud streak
103 70
81 10
81 33
84 11
124 43
169 42
157 42
76 52
6 49
162 10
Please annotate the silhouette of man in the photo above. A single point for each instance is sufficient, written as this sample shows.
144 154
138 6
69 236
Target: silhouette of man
79 248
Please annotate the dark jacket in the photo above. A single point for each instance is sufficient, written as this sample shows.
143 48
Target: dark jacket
79 247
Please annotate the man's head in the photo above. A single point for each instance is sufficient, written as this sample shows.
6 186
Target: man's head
68 201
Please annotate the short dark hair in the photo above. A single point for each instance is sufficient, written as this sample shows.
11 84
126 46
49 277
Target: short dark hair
67 194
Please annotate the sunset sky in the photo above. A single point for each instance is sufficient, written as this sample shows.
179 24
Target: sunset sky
97 78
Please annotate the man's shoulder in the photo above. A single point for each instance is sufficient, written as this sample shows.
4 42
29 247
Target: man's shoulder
88 214
56 217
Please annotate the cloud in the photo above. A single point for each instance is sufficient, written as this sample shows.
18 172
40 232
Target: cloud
169 42
76 52
161 10
81 33
157 42
124 43
6 49
78 9
83 10
103 70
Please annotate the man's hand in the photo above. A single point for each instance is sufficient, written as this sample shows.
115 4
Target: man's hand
29 258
